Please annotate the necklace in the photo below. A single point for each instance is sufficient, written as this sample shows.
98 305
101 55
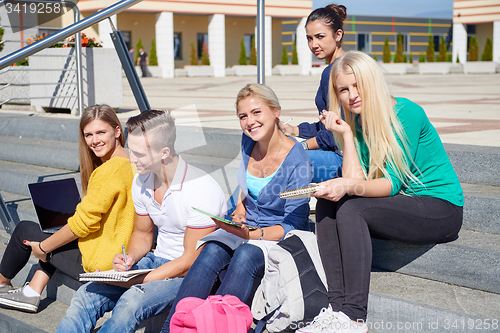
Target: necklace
270 166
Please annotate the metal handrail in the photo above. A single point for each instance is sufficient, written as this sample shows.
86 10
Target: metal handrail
66 32
78 47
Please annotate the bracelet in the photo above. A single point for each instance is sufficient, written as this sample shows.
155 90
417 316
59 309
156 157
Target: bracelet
40 246
304 144
261 233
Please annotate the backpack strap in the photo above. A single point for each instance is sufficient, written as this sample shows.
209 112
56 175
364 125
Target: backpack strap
262 323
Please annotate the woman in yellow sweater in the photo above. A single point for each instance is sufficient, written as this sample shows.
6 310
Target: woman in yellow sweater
102 223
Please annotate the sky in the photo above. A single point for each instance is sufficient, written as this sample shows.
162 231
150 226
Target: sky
404 8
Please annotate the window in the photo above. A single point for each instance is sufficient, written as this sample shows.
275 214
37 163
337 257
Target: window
364 43
127 38
202 38
177 46
247 39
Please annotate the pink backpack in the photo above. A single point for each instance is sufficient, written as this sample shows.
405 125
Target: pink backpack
216 314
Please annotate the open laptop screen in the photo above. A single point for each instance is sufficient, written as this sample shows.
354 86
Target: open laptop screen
55 201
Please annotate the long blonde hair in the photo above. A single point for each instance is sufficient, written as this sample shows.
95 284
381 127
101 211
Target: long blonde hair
88 160
380 126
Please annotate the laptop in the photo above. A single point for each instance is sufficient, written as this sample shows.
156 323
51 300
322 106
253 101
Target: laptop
55 201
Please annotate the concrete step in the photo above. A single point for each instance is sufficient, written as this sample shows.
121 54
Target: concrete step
481 208
470 261
15 177
50 153
402 303
32 125
475 164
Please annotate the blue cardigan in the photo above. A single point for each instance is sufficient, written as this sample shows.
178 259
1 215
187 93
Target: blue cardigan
323 136
269 209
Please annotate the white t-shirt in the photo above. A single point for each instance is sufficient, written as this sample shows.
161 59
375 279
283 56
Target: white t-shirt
191 187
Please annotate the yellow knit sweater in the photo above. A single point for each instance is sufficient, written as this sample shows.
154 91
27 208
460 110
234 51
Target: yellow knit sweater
104 219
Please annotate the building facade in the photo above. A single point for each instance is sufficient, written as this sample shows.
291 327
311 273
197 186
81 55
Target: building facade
480 18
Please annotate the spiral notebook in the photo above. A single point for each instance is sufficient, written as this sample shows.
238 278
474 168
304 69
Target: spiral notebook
300 193
112 275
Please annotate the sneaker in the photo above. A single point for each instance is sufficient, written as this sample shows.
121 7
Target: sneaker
6 288
16 299
324 322
344 324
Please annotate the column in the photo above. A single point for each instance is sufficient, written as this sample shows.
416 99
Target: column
303 52
459 43
268 48
217 43
164 35
496 41
105 30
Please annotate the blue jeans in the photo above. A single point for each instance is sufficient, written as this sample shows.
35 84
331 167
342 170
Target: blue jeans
245 269
326 164
130 306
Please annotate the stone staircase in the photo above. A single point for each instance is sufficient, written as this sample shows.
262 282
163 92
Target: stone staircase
453 287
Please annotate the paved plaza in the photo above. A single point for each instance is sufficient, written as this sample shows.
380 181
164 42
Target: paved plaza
465 109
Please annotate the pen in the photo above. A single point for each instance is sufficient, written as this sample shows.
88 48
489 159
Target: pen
289 120
125 257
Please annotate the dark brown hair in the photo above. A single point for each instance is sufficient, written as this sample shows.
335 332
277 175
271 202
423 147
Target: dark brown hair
161 123
332 16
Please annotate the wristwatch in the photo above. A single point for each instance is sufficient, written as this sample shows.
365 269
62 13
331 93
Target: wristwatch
304 144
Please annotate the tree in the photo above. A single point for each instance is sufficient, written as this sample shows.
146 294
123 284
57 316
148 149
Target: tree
399 49
488 51
243 54
284 56
386 57
405 58
473 49
375 57
137 47
205 60
253 53
193 58
295 57
442 50
430 49
153 59
410 58
421 58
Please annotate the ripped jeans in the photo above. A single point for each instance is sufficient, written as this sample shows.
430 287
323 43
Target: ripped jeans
130 306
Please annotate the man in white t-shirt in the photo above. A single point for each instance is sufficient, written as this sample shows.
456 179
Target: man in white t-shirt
164 191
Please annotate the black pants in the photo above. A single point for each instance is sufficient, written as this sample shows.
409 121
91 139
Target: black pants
67 258
344 228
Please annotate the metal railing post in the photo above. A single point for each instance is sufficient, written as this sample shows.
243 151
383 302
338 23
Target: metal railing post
260 42
66 32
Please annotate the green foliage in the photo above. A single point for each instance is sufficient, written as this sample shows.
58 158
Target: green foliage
23 62
153 59
448 57
458 59
442 50
193 58
386 57
253 53
410 58
399 50
405 58
473 49
204 55
284 56
243 53
1 37
421 58
430 50
137 47
375 57
295 57
488 51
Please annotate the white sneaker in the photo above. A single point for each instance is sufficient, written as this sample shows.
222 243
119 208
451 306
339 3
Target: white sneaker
345 325
324 322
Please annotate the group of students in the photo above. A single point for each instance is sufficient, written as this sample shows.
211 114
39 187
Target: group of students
381 165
